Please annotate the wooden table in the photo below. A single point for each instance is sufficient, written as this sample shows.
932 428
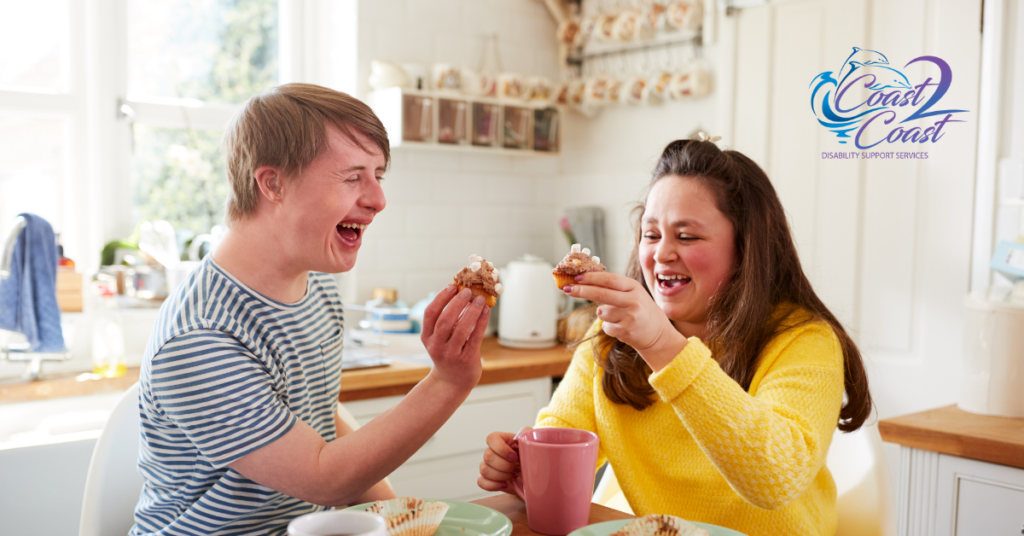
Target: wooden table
515 509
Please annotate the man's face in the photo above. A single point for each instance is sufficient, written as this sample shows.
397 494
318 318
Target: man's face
326 207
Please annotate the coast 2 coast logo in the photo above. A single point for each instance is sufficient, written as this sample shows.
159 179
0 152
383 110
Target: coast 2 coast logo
880 125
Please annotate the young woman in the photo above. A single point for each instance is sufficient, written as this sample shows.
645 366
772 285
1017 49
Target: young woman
713 374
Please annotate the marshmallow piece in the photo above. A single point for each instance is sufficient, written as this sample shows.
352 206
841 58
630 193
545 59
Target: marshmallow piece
494 275
596 259
495 270
499 289
475 267
475 258
575 248
586 251
490 265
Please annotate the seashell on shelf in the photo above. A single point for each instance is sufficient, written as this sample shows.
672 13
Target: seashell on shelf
410 516
660 525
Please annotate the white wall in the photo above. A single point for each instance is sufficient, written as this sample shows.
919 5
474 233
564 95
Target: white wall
442 207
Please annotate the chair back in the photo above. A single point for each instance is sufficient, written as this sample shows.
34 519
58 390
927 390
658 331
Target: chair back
113 484
865 500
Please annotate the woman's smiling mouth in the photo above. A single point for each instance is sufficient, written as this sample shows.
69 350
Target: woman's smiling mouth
670 284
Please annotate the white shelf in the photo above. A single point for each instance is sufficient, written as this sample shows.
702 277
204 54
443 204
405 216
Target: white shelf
389 105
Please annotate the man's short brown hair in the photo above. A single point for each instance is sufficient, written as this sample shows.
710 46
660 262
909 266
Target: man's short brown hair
286 128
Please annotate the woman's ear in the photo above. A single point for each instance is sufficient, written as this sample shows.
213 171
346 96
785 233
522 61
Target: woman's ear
270 183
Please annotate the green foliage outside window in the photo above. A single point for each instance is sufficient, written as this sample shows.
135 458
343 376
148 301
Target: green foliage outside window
179 173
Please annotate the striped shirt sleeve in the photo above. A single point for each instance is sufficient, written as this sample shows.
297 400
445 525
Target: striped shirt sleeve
219 394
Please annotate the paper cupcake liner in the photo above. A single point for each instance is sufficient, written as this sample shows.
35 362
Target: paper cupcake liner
489 298
660 525
410 516
562 280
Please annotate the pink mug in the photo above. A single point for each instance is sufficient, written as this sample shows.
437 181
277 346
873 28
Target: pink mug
557 479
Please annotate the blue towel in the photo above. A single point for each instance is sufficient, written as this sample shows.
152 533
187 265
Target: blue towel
28 298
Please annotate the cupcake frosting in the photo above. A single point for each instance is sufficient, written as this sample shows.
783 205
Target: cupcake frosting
579 261
480 273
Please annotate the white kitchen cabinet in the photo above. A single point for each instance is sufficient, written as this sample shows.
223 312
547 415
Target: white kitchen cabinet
944 495
448 464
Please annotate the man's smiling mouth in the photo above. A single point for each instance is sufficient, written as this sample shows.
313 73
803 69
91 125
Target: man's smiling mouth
350 232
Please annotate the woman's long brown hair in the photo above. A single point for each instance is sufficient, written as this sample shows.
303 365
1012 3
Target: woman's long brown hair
767 276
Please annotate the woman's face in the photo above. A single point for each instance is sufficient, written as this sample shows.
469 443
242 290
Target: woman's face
687 250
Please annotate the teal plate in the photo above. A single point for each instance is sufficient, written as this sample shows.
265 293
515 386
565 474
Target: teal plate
466 519
608 527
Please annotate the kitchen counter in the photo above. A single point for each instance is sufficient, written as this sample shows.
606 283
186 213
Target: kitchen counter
501 364
951 430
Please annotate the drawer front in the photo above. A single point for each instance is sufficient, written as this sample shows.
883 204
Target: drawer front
466 431
451 478
988 509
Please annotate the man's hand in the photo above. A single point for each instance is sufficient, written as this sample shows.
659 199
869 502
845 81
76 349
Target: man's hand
631 315
453 328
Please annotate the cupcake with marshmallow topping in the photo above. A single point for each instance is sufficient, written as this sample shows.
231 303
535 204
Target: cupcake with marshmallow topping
577 262
481 277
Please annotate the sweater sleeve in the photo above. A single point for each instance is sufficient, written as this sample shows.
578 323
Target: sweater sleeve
770 446
572 404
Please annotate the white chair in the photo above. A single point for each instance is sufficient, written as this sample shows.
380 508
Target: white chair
865 500
113 484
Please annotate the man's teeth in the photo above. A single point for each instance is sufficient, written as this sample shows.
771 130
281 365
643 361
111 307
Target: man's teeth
671 277
353 226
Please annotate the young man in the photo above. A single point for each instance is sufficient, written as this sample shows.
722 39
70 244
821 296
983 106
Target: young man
239 387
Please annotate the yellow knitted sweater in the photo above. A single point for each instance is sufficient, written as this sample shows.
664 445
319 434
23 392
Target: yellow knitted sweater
707 450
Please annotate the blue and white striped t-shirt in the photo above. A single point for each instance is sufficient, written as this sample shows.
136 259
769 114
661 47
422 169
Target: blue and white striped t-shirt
228 371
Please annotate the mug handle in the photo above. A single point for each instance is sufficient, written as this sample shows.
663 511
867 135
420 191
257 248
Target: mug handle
517 484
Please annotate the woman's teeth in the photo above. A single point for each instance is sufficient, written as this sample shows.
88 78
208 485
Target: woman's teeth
672 281
353 226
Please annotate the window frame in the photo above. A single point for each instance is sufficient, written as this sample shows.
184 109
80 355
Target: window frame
97 186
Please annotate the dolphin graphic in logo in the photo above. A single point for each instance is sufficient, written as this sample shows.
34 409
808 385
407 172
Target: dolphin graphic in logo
859 58
860 62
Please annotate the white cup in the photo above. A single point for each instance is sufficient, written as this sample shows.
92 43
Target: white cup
510 86
447 77
336 522
685 15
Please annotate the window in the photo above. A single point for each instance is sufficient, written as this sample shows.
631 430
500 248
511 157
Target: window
112 112
40 108
190 63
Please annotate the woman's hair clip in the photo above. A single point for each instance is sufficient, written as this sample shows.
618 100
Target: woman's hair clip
704 137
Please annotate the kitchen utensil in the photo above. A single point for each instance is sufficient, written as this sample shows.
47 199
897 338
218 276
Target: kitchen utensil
557 479
529 307
334 522
465 519
608 527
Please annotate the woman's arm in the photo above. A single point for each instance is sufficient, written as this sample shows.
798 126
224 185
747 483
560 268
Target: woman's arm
571 406
771 445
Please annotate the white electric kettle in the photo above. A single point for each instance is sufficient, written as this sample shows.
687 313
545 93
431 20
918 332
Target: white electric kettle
528 317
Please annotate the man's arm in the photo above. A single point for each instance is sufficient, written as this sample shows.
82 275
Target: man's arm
381 490
301 464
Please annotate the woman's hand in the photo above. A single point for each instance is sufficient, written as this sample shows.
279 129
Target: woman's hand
501 463
631 315
453 327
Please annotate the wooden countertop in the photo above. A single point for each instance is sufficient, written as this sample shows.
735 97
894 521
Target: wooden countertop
515 509
951 430
500 365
